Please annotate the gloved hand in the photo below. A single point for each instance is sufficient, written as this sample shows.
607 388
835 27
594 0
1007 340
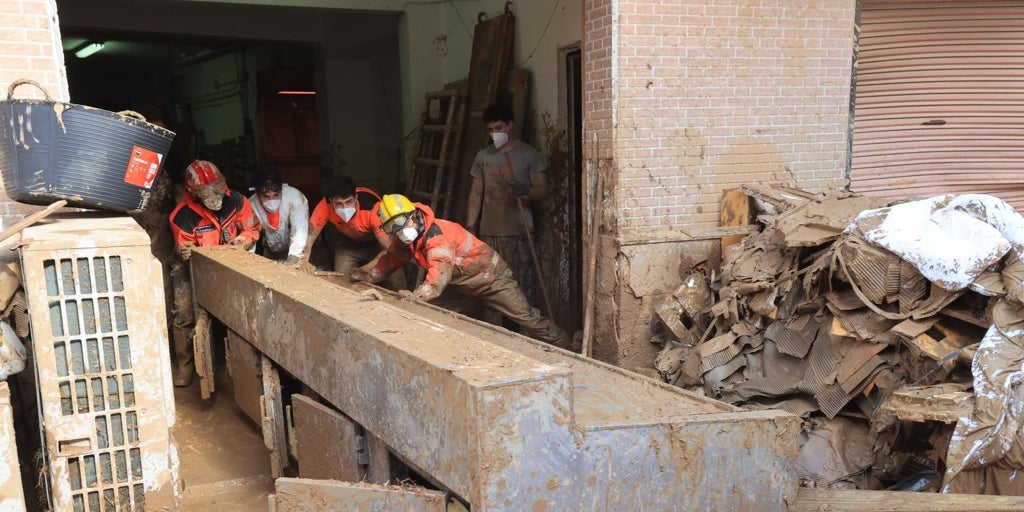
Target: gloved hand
360 274
408 295
520 189
185 251
291 260
240 242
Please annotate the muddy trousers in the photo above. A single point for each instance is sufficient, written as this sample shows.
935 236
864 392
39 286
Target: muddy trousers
182 324
350 255
504 296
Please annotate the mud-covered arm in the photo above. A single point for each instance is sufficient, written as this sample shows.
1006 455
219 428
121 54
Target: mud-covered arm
248 225
476 192
440 266
387 262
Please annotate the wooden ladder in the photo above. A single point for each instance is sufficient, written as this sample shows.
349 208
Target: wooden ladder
437 150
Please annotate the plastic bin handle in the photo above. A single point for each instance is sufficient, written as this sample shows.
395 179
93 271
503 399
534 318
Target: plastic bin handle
132 113
23 81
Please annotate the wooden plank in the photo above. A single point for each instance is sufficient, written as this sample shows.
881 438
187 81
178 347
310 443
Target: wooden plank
272 412
943 402
327 442
379 463
243 364
737 210
834 500
304 495
202 348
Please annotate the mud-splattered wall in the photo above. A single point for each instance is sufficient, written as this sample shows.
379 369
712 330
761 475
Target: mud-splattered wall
687 100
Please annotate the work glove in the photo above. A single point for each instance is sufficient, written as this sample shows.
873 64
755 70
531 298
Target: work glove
520 189
185 251
408 295
292 260
240 242
359 274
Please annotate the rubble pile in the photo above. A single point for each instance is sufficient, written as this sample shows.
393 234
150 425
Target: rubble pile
894 329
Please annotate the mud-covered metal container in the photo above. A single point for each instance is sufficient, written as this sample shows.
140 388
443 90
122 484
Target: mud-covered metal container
92 158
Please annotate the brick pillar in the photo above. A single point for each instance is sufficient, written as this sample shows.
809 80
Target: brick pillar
691 98
30 47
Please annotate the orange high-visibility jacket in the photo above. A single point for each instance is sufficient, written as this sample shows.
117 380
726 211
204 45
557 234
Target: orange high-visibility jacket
447 251
364 226
193 222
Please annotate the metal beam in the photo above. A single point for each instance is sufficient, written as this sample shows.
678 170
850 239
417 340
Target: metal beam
508 427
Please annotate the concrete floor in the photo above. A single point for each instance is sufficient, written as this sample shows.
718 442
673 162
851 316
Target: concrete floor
224 465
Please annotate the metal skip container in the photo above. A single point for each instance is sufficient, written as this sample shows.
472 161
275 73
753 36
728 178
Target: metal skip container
93 158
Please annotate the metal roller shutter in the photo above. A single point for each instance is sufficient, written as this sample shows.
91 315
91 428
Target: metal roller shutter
940 100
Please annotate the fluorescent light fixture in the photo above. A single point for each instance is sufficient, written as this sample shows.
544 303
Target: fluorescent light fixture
297 93
88 50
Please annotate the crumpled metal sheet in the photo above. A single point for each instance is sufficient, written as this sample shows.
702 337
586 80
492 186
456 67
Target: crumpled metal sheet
793 338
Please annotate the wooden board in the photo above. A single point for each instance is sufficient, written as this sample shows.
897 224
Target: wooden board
327 442
303 495
814 500
490 59
737 210
243 363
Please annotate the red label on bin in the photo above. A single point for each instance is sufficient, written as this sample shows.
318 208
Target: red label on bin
142 167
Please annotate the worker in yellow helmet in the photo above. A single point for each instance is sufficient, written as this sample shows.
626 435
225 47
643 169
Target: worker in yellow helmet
451 255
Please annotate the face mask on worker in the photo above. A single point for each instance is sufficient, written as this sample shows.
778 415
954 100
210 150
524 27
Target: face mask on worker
271 205
500 139
408 234
345 213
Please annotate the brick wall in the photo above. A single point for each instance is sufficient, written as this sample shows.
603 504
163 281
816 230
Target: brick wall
691 98
30 47
711 95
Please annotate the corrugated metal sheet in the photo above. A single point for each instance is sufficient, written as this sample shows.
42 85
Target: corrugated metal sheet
940 99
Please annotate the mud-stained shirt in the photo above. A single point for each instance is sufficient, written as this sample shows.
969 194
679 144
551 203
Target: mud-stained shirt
499 214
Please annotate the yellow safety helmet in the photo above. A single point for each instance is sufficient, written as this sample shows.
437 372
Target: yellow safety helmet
395 209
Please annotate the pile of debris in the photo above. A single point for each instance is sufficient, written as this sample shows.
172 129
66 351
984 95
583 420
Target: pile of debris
894 329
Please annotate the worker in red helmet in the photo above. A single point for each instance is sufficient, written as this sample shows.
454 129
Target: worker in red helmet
209 214
451 255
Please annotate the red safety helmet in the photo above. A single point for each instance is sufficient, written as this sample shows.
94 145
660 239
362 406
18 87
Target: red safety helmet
202 173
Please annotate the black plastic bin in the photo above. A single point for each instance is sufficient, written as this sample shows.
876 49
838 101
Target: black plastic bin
91 157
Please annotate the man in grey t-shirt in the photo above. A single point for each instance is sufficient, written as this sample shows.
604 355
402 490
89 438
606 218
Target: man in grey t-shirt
508 171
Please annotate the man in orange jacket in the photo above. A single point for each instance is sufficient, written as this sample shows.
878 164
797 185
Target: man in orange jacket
451 255
210 214
357 236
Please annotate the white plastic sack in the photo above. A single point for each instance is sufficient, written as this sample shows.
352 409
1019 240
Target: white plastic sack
949 239
12 352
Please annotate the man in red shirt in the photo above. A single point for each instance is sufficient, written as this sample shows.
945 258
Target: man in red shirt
451 255
358 238
209 214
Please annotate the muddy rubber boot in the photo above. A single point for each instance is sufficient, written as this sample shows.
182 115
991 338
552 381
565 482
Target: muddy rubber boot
184 363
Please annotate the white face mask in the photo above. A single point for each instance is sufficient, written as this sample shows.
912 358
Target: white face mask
272 205
408 235
500 139
346 214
